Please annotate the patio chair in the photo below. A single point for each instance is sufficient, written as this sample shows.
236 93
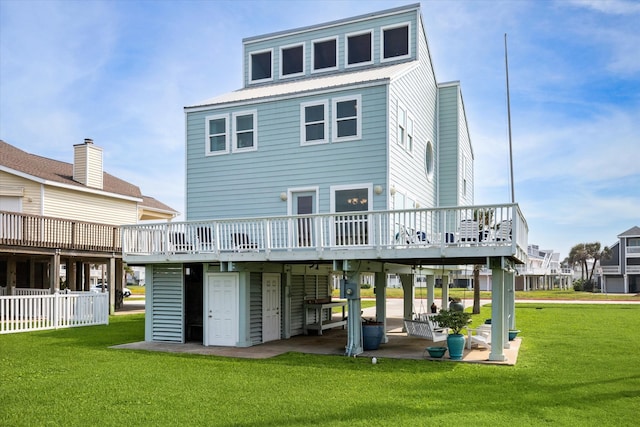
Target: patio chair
469 231
179 242
205 238
480 336
503 232
242 242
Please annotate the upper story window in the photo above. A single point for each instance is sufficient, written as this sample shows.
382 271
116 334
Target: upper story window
217 139
245 131
359 48
315 123
346 118
325 54
395 42
292 60
261 66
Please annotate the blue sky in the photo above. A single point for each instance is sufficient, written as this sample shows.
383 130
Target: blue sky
121 72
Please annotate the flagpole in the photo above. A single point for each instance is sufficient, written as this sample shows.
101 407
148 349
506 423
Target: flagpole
506 64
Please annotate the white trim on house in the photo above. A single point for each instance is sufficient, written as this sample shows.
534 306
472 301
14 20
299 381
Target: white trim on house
346 49
303 123
235 131
68 186
207 137
315 70
259 52
304 62
409 46
326 84
335 119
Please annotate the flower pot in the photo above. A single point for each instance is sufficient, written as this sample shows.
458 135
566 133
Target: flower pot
513 333
455 343
372 335
456 306
436 352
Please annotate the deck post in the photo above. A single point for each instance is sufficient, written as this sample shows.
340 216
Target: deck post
431 284
409 295
380 283
498 318
445 291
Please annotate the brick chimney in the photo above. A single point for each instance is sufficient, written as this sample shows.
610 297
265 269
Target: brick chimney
87 164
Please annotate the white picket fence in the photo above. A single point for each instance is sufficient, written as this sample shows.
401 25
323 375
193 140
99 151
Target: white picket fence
23 313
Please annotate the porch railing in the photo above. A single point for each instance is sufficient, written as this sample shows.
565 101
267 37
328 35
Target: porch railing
18 229
22 313
487 225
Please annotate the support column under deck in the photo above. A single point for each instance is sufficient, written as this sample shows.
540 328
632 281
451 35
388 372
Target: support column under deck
498 317
380 283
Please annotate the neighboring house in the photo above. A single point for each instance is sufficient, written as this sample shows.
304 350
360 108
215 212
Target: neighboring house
541 271
340 157
55 214
621 272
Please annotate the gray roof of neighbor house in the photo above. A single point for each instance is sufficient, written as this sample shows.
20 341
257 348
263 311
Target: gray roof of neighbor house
61 172
632 232
371 75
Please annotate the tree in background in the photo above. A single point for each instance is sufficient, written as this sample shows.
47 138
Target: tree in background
584 253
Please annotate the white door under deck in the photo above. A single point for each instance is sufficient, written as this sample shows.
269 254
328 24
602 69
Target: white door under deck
270 307
222 309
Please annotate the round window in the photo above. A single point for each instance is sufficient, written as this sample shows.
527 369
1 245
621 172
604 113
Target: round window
429 160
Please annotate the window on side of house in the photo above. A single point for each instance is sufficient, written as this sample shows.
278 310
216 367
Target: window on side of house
314 123
395 42
402 125
409 145
325 54
217 139
245 133
359 49
292 61
347 118
261 66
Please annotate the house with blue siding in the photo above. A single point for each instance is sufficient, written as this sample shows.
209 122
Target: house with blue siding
341 157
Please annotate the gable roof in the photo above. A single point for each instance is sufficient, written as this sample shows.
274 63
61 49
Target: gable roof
632 232
378 74
53 172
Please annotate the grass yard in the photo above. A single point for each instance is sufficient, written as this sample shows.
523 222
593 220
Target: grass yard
577 366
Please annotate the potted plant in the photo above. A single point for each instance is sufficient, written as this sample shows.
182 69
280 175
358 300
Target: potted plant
455 321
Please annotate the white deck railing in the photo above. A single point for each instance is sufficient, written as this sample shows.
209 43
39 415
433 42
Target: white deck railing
22 313
487 225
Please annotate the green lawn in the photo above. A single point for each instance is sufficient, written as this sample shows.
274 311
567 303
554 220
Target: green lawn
577 366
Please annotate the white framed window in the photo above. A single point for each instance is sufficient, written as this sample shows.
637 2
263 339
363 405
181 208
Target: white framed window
395 42
409 145
261 66
358 49
402 125
347 118
314 122
217 135
324 55
245 131
464 175
292 60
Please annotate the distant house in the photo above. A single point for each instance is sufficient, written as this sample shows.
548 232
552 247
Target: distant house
55 214
621 272
341 157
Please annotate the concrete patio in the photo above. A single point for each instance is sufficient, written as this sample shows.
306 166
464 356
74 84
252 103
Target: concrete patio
332 342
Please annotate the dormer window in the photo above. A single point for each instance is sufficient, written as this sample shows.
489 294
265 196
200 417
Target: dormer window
261 66
292 61
325 54
395 42
359 48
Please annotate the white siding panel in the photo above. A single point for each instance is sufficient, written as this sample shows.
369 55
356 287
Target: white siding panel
64 203
31 198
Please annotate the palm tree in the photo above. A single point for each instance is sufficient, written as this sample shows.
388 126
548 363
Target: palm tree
476 288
